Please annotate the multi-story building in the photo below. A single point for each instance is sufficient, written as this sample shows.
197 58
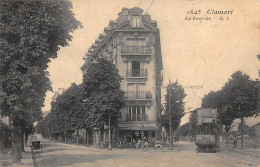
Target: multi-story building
132 43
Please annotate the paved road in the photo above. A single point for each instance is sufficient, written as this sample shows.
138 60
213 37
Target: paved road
184 155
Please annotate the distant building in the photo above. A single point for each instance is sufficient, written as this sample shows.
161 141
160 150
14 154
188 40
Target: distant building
234 126
257 129
132 43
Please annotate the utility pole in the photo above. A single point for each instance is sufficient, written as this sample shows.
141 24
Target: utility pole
170 122
142 134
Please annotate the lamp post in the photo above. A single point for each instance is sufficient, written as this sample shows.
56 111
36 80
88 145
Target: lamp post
170 122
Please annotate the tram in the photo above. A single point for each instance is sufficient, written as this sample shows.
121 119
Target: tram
207 138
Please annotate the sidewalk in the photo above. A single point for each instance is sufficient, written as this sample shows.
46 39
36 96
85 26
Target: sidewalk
6 159
250 151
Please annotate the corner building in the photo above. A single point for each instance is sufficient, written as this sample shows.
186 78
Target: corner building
132 43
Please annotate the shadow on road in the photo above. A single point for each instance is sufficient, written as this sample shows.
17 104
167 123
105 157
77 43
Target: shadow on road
57 154
70 159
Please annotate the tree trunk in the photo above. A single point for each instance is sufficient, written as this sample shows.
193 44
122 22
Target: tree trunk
22 140
66 141
226 136
77 137
104 139
241 131
16 145
87 143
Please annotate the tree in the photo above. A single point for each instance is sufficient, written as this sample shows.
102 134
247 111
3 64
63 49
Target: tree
193 122
102 92
220 101
183 130
30 35
174 106
67 113
241 93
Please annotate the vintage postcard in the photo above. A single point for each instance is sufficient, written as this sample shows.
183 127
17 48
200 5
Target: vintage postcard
140 83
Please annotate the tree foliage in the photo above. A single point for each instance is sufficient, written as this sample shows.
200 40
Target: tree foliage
66 113
176 104
241 93
30 35
219 100
184 130
102 92
236 99
193 122
87 105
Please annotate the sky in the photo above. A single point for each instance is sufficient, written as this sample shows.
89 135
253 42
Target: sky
195 52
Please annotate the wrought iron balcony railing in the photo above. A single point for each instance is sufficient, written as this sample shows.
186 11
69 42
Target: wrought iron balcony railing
132 50
136 73
131 95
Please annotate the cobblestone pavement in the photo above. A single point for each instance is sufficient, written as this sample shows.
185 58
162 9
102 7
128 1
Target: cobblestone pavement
183 155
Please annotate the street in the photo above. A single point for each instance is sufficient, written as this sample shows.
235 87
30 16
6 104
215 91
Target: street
184 155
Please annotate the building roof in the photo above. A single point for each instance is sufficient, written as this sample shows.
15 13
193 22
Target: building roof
117 26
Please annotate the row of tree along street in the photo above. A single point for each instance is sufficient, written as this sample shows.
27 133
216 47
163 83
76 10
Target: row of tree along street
86 106
31 33
238 99
89 105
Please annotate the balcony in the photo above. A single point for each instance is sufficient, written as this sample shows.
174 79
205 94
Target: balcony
136 73
134 95
136 50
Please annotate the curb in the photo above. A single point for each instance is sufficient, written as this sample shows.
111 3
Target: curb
33 156
27 161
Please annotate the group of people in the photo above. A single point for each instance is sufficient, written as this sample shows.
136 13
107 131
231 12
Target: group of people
136 142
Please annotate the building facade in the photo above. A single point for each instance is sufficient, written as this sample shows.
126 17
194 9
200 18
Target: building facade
132 43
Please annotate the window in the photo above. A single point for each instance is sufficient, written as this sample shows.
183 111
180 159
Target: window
135 42
138 116
136 113
136 20
133 114
136 68
136 91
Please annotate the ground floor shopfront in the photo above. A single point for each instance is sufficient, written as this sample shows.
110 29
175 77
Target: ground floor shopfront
127 134
132 132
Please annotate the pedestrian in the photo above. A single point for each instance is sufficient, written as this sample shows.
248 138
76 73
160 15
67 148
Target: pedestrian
146 144
138 143
120 144
235 141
